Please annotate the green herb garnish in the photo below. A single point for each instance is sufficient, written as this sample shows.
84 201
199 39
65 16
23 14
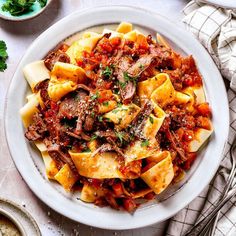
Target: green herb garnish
107 72
145 143
141 66
100 118
120 136
93 137
86 150
92 114
19 7
119 104
122 84
151 119
42 3
115 111
3 55
106 103
95 96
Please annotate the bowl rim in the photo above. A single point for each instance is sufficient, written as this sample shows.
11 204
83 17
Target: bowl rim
188 199
16 19
18 225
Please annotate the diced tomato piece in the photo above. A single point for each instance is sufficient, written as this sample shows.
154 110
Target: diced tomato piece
107 85
117 189
106 45
203 122
189 122
204 109
188 80
142 42
115 41
188 135
150 196
54 106
129 204
95 182
180 133
104 95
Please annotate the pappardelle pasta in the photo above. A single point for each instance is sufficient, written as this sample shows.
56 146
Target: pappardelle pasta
118 116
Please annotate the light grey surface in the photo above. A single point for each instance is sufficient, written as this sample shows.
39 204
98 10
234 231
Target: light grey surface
18 36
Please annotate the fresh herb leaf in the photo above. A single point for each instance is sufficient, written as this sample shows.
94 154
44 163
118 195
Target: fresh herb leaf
151 119
100 118
119 104
92 114
145 143
86 150
106 103
95 96
129 78
19 7
3 55
93 137
141 66
42 2
115 111
120 136
107 72
122 84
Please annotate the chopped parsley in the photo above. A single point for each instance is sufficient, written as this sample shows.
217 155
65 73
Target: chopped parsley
115 111
93 137
3 55
151 119
127 78
119 104
92 114
95 96
120 136
100 118
86 150
141 66
108 71
106 103
122 84
20 7
145 143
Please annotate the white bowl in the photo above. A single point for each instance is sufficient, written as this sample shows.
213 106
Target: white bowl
29 162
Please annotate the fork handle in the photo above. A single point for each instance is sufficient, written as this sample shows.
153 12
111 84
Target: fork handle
200 227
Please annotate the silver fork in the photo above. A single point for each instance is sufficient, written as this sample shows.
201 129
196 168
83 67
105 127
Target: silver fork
202 226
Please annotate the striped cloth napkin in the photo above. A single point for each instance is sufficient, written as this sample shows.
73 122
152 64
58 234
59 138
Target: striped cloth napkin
215 28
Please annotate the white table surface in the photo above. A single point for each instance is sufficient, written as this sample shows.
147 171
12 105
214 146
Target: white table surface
18 36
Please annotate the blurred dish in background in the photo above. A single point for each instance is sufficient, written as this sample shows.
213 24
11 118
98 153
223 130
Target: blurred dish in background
11 10
222 3
16 221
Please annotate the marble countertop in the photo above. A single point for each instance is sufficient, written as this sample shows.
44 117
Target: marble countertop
18 36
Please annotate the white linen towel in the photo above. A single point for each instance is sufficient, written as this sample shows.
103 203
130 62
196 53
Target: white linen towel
215 28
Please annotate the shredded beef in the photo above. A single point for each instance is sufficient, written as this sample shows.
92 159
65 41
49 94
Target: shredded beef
55 56
37 129
55 152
